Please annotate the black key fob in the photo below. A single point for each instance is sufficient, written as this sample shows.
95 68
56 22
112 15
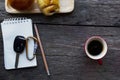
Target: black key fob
19 44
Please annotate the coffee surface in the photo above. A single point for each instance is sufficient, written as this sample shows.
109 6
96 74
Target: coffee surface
95 47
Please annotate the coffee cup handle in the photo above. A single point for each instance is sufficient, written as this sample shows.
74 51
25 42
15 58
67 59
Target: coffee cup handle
100 61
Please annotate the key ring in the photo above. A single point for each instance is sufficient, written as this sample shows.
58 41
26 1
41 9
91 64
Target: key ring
27 39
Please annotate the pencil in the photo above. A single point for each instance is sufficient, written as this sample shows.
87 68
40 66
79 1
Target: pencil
42 50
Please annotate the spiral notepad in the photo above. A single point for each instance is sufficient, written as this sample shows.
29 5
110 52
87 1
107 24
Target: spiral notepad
10 29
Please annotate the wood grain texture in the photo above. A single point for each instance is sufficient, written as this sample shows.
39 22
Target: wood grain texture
64 48
86 12
63 37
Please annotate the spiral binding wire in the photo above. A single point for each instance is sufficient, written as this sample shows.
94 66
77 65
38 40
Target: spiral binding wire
15 20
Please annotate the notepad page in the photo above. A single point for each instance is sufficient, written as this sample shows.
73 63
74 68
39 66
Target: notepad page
11 29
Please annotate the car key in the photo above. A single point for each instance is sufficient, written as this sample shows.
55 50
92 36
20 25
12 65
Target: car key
19 45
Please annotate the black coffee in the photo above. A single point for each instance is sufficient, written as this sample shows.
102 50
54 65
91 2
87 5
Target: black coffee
95 47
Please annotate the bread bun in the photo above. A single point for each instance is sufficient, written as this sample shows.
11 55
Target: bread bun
20 4
49 7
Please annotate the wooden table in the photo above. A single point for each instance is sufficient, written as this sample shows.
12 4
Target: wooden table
63 37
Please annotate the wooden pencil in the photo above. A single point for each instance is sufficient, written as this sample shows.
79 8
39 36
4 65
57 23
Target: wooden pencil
42 50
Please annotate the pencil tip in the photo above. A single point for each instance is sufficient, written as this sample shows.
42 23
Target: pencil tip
48 72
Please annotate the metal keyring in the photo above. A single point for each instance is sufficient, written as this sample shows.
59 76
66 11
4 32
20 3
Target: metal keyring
27 39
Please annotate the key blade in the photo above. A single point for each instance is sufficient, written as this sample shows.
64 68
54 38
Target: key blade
17 60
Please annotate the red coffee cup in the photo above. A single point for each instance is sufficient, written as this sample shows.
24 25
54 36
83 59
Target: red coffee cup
96 48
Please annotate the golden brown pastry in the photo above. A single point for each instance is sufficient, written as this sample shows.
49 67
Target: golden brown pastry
49 7
20 4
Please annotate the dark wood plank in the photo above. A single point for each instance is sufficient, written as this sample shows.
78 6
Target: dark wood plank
64 48
63 40
86 12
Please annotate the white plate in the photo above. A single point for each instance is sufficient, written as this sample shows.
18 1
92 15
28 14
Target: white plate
66 6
